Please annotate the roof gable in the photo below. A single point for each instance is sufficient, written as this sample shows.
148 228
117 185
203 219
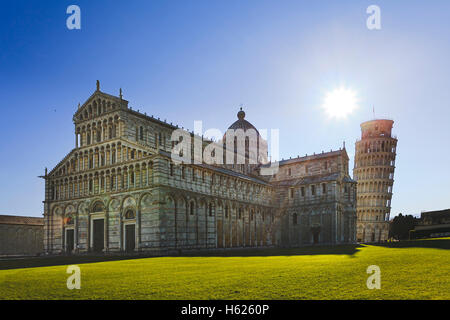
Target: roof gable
98 104
61 164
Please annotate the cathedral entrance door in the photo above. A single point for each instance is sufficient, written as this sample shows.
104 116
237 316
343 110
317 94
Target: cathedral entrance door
219 234
130 237
315 233
70 240
98 234
316 237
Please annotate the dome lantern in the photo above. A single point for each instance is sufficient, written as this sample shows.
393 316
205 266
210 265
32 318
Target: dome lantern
241 114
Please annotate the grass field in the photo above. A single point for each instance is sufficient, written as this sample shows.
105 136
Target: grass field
409 270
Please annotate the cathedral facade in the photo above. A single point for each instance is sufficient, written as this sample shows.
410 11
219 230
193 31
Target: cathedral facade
119 190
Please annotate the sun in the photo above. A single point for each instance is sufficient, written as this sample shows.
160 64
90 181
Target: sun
340 102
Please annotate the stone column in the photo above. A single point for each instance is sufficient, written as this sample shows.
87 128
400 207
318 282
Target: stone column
138 227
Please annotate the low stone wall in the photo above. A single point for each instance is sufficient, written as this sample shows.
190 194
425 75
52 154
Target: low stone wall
21 236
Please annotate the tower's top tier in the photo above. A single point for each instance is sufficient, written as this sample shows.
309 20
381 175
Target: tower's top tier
376 128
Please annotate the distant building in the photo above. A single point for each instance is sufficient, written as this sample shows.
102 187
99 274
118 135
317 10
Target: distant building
433 224
374 171
21 235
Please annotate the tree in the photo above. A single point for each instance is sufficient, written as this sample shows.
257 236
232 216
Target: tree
400 226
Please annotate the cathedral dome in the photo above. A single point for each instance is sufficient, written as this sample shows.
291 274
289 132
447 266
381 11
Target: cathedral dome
254 146
241 123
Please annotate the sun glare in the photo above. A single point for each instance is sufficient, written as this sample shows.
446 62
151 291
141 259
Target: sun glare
340 102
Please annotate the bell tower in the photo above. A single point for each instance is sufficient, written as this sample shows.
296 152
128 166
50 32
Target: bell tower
374 172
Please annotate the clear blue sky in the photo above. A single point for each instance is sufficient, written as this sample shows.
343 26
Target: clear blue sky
199 60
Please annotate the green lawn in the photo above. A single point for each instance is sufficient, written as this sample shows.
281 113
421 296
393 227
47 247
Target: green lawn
409 270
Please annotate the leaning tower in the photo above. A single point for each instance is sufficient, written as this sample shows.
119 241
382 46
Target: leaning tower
374 172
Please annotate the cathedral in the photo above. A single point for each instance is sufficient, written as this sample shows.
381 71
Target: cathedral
119 190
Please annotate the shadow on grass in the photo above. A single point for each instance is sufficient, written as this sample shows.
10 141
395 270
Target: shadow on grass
422 243
33 262
349 249
49 261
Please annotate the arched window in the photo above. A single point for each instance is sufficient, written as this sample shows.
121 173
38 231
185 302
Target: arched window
141 133
210 210
191 208
294 218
